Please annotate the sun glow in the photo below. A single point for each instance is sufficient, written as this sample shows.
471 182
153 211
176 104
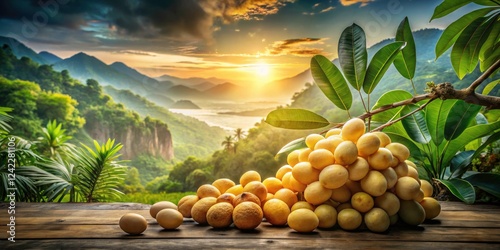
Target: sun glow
262 69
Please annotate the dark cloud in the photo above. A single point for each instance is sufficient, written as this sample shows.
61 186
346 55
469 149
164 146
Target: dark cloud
297 46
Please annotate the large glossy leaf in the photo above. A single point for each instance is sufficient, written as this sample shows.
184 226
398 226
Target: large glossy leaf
461 189
492 57
353 56
435 117
388 98
415 150
415 125
448 6
459 118
379 65
488 182
460 161
490 86
330 80
492 40
293 145
451 33
405 62
296 119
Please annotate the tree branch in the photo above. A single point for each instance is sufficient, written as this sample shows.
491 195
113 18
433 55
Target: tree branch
483 77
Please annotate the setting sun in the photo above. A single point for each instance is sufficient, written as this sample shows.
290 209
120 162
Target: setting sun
262 69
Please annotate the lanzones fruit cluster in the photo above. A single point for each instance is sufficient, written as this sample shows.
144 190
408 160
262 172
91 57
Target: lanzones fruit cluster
347 177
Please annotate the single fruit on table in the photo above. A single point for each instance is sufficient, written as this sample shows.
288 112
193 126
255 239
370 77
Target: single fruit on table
283 170
341 194
384 138
346 153
368 144
362 202
249 176
390 176
302 204
226 197
272 184
431 206
401 169
247 215
381 159
353 129
303 220
236 189
333 131
296 185
200 209
286 195
316 194
411 212
169 218
207 190
133 223
304 154
333 176
220 215
358 169
427 188
349 219
389 202
312 139
407 188
399 151
276 212
246 196
257 188
293 158
305 173
327 216
329 144
158 206
186 203
223 184
320 158
377 220
374 183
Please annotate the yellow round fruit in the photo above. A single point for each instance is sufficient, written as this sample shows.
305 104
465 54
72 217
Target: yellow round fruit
133 223
333 176
249 176
354 186
186 203
200 209
223 184
329 144
374 183
293 158
413 173
368 144
358 169
286 180
341 194
247 215
401 169
246 196
320 158
312 139
411 212
390 176
362 202
419 196
276 212
349 219
377 220
257 188
169 218
333 131
389 202
427 188
226 197
305 173
327 216
346 153
303 220
316 194
302 204
407 188
158 206
286 195
272 184
207 190
220 215
399 151
296 185
411 164
282 171
236 189
384 138
269 196
304 154
353 129
431 206
343 206
381 159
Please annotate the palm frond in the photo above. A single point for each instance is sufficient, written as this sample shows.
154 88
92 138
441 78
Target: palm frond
4 119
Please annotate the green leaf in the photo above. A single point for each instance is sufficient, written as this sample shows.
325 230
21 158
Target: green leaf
462 189
451 33
448 6
353 56
405 62
415 124
330 80
435 117
459 118
488 182
379 65
492 40
490 59
389 98
459 163
415 150
486 2
293 145
296 119
488 88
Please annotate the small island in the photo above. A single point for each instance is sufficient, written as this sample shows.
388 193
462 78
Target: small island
184 104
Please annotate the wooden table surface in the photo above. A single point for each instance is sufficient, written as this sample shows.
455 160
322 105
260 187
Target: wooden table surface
95 225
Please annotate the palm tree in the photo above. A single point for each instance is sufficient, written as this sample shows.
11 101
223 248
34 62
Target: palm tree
228 143
54 140
239 133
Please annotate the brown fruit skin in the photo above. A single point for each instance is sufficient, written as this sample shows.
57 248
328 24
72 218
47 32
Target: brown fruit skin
200 209
158 206
207 190
133 223
241 221
220 215
226 197
246 196
186 203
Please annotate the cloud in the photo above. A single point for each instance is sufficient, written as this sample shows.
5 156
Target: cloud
135 52
351 2
316 5
297 47
327 9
